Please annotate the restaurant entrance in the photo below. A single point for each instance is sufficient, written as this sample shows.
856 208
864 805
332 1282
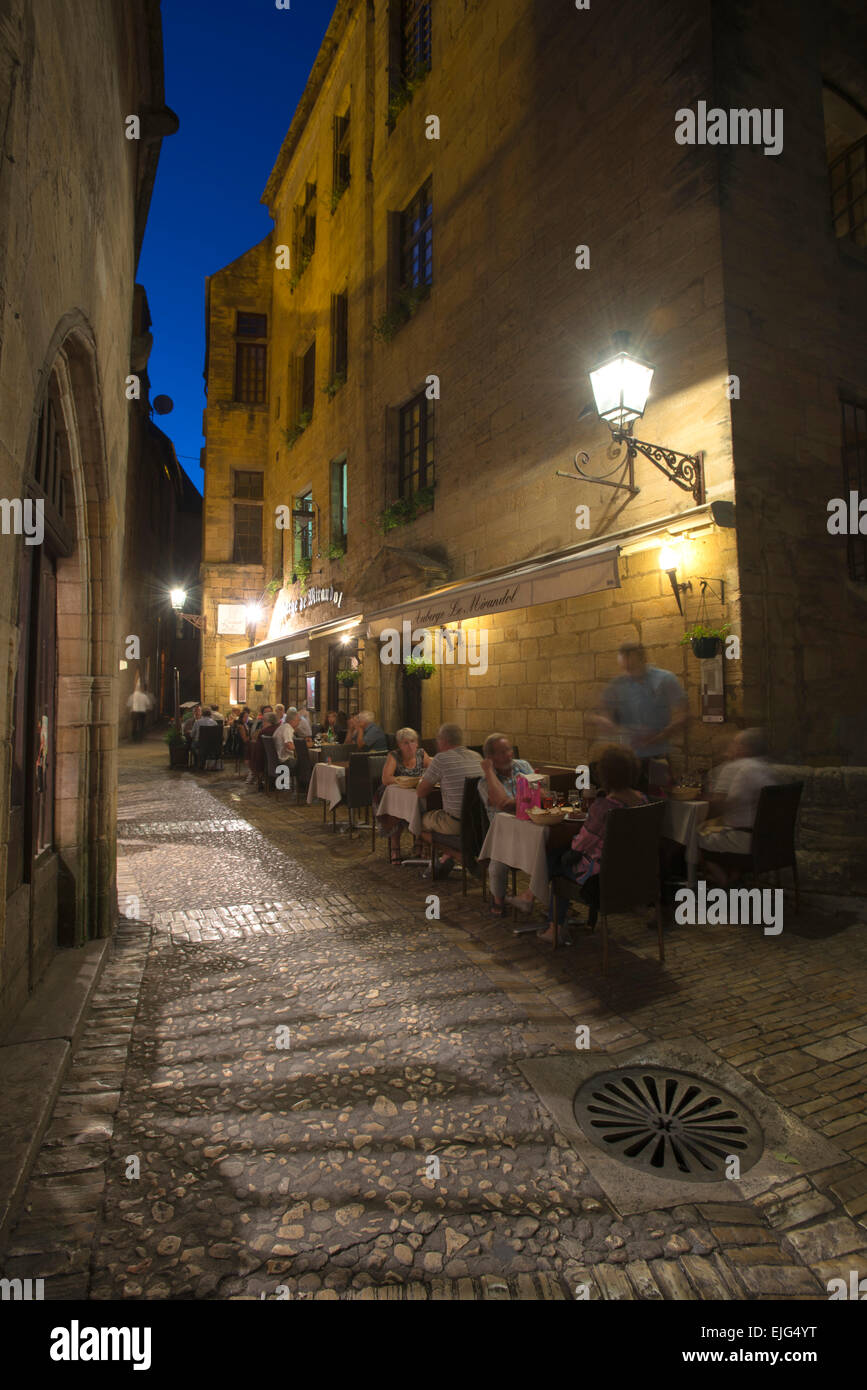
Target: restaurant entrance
411 702
343 695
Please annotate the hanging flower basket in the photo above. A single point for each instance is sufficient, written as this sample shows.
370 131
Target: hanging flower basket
705 641
348 677
422 669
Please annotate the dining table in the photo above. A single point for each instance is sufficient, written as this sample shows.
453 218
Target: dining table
523 845
327 783
403 804
681 823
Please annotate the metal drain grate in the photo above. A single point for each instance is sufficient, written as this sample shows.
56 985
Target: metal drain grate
668 1122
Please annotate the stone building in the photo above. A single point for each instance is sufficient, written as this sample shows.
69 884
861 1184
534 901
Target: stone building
74 197
162 551
471 201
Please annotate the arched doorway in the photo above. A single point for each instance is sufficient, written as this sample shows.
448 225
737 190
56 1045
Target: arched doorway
60 855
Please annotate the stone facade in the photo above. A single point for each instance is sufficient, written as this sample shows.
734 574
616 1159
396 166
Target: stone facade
555 133
74 197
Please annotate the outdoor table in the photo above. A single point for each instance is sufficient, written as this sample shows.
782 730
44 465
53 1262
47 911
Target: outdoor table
681 824
403 804
327 783
523 845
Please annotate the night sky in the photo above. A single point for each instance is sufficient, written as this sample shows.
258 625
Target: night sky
235 70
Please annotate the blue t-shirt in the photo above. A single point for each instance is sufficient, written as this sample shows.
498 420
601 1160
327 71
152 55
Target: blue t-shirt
645 703
374 738
507 782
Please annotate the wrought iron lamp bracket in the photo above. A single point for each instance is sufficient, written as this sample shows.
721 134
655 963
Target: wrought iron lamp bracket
685 470
581 461
196 619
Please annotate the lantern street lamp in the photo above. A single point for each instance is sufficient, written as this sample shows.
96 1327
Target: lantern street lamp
621 386
179 598
620 389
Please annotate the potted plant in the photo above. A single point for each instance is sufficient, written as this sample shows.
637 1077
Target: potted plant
422 669
178 754
349 677
705 641
337 550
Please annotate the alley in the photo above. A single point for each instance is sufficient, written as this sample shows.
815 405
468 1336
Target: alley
293 1083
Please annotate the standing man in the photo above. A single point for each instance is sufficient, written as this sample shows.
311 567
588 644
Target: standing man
139 703
645 706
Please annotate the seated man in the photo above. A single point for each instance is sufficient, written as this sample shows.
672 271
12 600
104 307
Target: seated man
304 721
369 737
284 742
205 721
497 791
735 789
451 766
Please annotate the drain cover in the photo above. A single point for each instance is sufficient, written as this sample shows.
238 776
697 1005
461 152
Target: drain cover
668 1123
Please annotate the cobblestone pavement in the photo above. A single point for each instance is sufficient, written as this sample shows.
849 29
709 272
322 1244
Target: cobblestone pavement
292 1083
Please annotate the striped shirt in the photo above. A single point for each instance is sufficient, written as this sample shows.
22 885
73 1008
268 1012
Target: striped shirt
451 768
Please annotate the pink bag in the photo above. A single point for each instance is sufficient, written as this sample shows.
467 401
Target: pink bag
526 795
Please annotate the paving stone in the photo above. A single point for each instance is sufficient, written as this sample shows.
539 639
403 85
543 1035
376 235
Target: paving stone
823 1242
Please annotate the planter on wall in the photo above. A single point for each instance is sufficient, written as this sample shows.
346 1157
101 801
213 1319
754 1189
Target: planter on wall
705 647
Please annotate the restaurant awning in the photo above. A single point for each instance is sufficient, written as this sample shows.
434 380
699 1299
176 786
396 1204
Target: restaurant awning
523 587
291 642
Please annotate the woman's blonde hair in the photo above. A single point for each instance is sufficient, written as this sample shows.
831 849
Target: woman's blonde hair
404 735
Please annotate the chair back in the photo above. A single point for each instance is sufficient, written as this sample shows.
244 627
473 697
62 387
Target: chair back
476 747
391 741
359 786
267 741
629 867
430 746
474 824
773 844
304 764
210 743
375 765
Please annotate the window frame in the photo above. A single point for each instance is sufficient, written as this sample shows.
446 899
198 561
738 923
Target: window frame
249 508
414 470
416 231
251 361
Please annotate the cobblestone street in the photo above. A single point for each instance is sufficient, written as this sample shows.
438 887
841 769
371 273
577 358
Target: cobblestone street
201 1150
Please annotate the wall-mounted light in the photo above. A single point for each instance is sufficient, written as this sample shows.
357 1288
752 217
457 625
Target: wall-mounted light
669 561
179 598
621 385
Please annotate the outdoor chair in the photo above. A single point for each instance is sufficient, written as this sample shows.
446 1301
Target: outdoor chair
430 746
303 767
628 872
469 841
375 764
359 787
272 763
209 746
773 845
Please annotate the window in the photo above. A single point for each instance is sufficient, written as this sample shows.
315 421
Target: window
308 380
846 145
855 478
237 685
304 526
251 358
416 446
249 485
416 241
340 174
415 25
294 684
248 536
305 229
339 502
339 335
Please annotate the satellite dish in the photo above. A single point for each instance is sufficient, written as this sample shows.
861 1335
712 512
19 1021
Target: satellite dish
163 405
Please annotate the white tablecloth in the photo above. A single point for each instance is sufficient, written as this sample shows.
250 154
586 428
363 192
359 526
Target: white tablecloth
521 845
327 784
403 804
681 823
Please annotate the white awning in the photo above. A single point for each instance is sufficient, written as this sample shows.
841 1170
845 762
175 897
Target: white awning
291 642
524 587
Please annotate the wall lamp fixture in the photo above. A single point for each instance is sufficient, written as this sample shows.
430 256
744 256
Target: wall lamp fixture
621 386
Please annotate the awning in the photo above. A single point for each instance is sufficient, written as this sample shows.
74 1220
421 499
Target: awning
291 641
584 573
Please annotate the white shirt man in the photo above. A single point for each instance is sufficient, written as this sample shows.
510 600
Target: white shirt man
736 788
284 741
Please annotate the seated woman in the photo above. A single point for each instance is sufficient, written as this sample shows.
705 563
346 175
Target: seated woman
617 771
407 760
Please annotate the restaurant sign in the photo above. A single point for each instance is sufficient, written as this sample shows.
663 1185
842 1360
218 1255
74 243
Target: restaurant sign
231 619
313 597
538 584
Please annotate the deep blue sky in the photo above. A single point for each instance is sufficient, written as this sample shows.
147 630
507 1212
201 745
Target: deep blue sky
235 70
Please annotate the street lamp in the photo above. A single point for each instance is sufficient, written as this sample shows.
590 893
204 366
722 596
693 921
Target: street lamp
621 385
179 598
669 562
